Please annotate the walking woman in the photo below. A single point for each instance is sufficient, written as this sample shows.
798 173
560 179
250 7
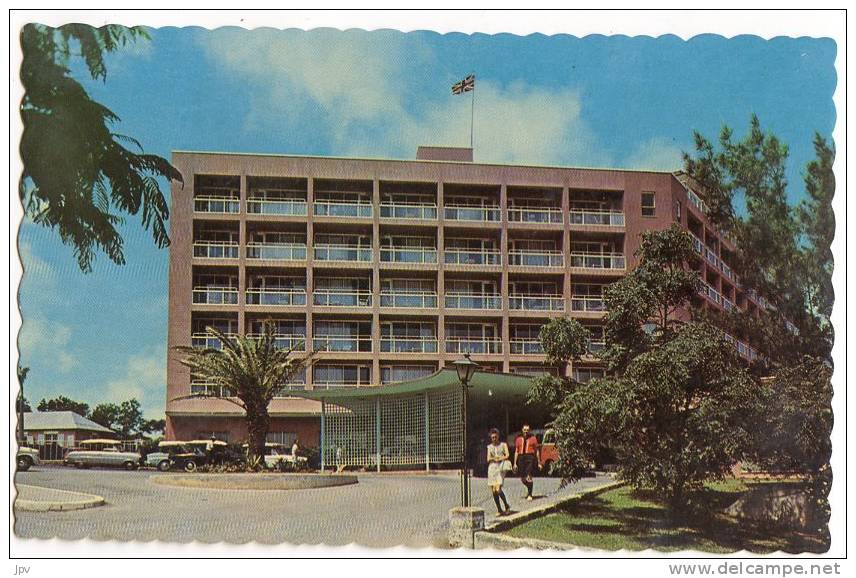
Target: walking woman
498 465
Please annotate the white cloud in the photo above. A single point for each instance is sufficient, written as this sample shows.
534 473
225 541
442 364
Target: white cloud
143 378
657 154
358 84
41 338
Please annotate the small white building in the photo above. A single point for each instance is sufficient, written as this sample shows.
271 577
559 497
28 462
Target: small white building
62 429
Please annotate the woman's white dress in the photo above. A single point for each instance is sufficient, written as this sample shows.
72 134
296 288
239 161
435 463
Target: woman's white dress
494 469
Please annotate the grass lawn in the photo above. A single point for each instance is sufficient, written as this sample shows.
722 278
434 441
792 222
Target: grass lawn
634 520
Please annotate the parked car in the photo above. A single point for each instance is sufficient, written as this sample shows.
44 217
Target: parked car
102 452
276 453
549 451
182 455
26 458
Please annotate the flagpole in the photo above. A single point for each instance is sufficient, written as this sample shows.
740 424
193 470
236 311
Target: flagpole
472 110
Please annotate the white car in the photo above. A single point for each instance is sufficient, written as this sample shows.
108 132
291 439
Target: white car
102 452
280 453
26 458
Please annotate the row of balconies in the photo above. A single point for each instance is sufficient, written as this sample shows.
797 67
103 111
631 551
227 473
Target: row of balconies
325 298
400 344
710 256
365 210
409 255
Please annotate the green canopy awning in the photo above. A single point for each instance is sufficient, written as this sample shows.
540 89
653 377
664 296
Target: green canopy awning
483 384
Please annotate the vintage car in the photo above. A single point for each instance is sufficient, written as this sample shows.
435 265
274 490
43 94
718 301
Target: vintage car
102 452
276 453
26 458
189 455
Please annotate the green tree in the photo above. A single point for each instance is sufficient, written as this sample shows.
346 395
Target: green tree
126 418
79 178
678 406
63 403
106 414
247 372
153 426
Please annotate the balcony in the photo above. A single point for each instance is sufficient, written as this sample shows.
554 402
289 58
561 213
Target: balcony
536 259
526 347
472 257
612 261
408 255
713 294
536 302
461 345
204 388
473 301
276 251
276 297
337 298
280 207
407 211
342 209
215 204
214 295
696 201
597 217
284 341
215 250
698 245
404 344
208 341
588 304
353 253
534 215
465 213
595 347
343 343
408 299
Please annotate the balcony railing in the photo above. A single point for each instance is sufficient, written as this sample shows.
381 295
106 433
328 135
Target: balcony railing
595 347
224 205
536 258
209 389
276 297
598 260
698 245
408 211
595 217
343 253
473 301
536 302
408 299
276 251
215 295
208 341
215 250
324 298
479 346
408 255
338 384
588 304
526 347
472 257
282 207
295 342
727 304
403 344
696 201
534 215
713 294
465 213
342 209
343 343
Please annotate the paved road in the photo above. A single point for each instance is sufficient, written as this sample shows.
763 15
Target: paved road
381 510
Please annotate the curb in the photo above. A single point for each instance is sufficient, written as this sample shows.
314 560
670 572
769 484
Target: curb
502 542
525 516
91 501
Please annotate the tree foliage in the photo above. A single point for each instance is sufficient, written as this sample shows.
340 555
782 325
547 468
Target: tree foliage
62 403
125 418
248 372
79 176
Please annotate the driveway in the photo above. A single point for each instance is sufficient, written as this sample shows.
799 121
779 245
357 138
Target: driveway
381 510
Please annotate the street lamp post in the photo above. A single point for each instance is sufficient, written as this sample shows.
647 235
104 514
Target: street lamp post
466 368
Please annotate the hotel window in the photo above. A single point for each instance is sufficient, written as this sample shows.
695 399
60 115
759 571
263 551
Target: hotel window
648 206
678 211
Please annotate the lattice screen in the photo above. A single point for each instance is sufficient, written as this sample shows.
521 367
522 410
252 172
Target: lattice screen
351 430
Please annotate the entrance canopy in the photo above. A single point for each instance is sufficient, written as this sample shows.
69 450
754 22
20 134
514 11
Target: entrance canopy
411 423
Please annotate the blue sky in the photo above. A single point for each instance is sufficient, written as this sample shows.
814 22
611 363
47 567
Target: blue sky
559 100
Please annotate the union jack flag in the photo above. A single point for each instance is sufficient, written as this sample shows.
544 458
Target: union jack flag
466 85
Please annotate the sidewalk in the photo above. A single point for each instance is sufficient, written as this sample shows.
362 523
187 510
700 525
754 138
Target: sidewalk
39 499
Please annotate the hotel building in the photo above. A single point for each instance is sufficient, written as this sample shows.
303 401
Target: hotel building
389 270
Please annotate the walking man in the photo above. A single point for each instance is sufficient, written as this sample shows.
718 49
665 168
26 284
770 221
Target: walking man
527 458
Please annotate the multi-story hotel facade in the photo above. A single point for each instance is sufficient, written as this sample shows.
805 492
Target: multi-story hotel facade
389 270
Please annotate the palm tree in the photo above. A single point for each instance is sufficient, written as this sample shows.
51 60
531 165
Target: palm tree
248 372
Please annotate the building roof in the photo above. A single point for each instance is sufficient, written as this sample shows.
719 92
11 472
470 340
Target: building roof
60 420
